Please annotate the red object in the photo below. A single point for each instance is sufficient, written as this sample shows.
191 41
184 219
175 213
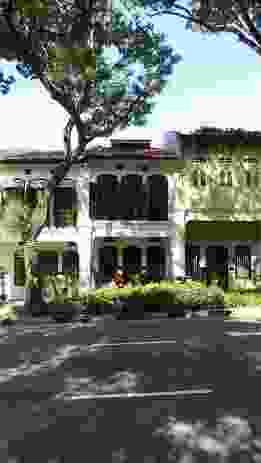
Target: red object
152 152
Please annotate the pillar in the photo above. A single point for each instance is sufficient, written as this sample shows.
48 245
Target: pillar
177 246
84 243
143 257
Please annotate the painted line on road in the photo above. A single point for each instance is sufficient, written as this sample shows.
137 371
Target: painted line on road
127 343
240 333
130 395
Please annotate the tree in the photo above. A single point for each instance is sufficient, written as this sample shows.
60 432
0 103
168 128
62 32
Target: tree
62 46
240 17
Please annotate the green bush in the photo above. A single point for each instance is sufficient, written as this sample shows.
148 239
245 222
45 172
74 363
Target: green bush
242 298
8 313
154 296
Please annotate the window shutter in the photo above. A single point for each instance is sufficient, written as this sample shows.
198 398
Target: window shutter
47 262
70 262
65 207
19 268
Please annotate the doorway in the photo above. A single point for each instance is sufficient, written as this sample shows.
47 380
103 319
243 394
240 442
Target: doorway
217 265
132 259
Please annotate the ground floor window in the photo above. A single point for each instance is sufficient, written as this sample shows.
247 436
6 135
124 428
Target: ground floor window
242 262
132 259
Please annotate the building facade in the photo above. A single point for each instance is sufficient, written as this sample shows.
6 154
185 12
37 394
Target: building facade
170 213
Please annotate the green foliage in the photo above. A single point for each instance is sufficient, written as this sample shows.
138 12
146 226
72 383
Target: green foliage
152 295
8 312
242 298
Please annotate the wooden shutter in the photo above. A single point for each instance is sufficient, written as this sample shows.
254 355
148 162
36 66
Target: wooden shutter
19 268
243 261
65 206
46 262
70 262
192 261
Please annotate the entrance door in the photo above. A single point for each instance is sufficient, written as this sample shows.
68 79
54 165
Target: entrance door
107 263
192 261
132 259
217 265
156 262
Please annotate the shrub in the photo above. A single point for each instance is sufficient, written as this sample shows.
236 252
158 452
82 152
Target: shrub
236 298
8 314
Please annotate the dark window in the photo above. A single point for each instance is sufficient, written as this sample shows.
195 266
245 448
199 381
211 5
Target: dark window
194 178
158 198
65 207
70 262
105 195
132 259
156 262
248 179
19 268
131 200
243 261
225 178
192 261
93 200
107 262
46 262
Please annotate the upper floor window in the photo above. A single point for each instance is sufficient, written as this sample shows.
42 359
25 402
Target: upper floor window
199 178
65 206
129 198
252 179
225 177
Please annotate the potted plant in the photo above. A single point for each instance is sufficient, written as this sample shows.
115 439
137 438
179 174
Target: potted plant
62 296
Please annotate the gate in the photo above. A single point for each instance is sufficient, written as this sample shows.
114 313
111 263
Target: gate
192 261
243 262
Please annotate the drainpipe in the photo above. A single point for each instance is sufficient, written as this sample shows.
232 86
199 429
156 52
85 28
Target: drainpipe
91 280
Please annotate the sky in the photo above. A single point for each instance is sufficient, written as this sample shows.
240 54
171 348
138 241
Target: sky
217 83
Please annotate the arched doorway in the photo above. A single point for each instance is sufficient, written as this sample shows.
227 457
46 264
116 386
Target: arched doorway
217 265
156 262
107 263
132 259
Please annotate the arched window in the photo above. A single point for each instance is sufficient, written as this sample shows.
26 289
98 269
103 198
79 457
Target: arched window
132 259
203 179
107 262
198 178
225 178
106 197
243 261
156 262
65 206
19 268
194 178
248 179
158 197
131 198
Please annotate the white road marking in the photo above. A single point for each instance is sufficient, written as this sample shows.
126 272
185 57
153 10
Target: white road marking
127 343
240 333
130 395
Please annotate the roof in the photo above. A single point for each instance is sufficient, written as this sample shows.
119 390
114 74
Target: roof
196 141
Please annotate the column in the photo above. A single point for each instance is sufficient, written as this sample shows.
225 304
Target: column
84 243
83 195
119 258
145 183
177 246
171 194
143 258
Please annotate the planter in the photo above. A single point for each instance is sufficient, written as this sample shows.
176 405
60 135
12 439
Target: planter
65 312
132 308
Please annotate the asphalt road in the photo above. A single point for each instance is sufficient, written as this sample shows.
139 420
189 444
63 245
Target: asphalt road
101 391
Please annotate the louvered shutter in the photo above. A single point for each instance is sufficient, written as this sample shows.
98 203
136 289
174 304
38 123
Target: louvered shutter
19 268
65 207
